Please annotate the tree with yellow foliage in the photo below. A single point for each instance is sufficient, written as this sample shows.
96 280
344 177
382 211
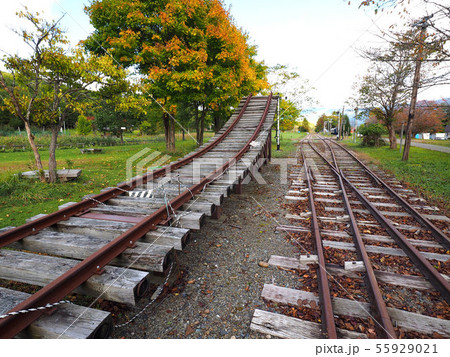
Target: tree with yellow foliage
189 51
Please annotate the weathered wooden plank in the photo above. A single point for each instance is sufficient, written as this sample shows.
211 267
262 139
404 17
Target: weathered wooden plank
195 206
68 321
291 327
408 320
286 262
189 220
408 281
383 250
63 175
385 239
345 219
90 150
295 198
377 204
144 256
166 236
116 284
354 266
390 213
170 236
214 197
309 259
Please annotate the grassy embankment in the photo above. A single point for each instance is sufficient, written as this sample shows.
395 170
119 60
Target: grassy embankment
21 199
288 144
433 142
423 141
426 171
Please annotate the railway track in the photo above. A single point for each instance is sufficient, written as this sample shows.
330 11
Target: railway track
111 245
380 255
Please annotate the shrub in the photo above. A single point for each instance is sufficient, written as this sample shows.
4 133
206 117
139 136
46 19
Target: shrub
148 128
84 126
372 134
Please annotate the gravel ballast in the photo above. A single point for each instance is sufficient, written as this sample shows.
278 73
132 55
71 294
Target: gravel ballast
220 278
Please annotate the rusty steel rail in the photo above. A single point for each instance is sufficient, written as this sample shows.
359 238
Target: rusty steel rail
94 264
384 327
78 208
435 278
328 323
436 232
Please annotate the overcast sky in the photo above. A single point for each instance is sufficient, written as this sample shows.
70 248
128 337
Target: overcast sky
317 38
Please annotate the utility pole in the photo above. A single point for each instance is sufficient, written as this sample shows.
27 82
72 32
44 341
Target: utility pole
354 125
342 123
278 123
412 107
339 126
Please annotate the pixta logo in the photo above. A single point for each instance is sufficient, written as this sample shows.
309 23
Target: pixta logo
144 161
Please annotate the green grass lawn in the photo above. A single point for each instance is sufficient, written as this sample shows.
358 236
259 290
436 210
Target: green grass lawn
288 143
423 141
426 171
433 142
21 199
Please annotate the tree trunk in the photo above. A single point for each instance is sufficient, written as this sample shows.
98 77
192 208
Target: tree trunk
169 131
171 134
197 124
52 176
202 126
392 137
217 122
408 136
37 156
415 89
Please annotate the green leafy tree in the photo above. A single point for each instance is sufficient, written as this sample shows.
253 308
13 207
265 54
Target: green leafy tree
346 127
333 119
8 121
51 83
114 119
84 126
320 123
289 114
372 134
386 86
148 128
305 126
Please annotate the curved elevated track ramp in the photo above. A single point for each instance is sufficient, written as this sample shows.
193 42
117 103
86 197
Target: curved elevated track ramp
112 244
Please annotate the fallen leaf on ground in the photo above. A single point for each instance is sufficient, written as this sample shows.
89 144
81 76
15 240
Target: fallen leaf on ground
189 330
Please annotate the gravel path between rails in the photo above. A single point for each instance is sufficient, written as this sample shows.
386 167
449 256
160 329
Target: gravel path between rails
221 282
